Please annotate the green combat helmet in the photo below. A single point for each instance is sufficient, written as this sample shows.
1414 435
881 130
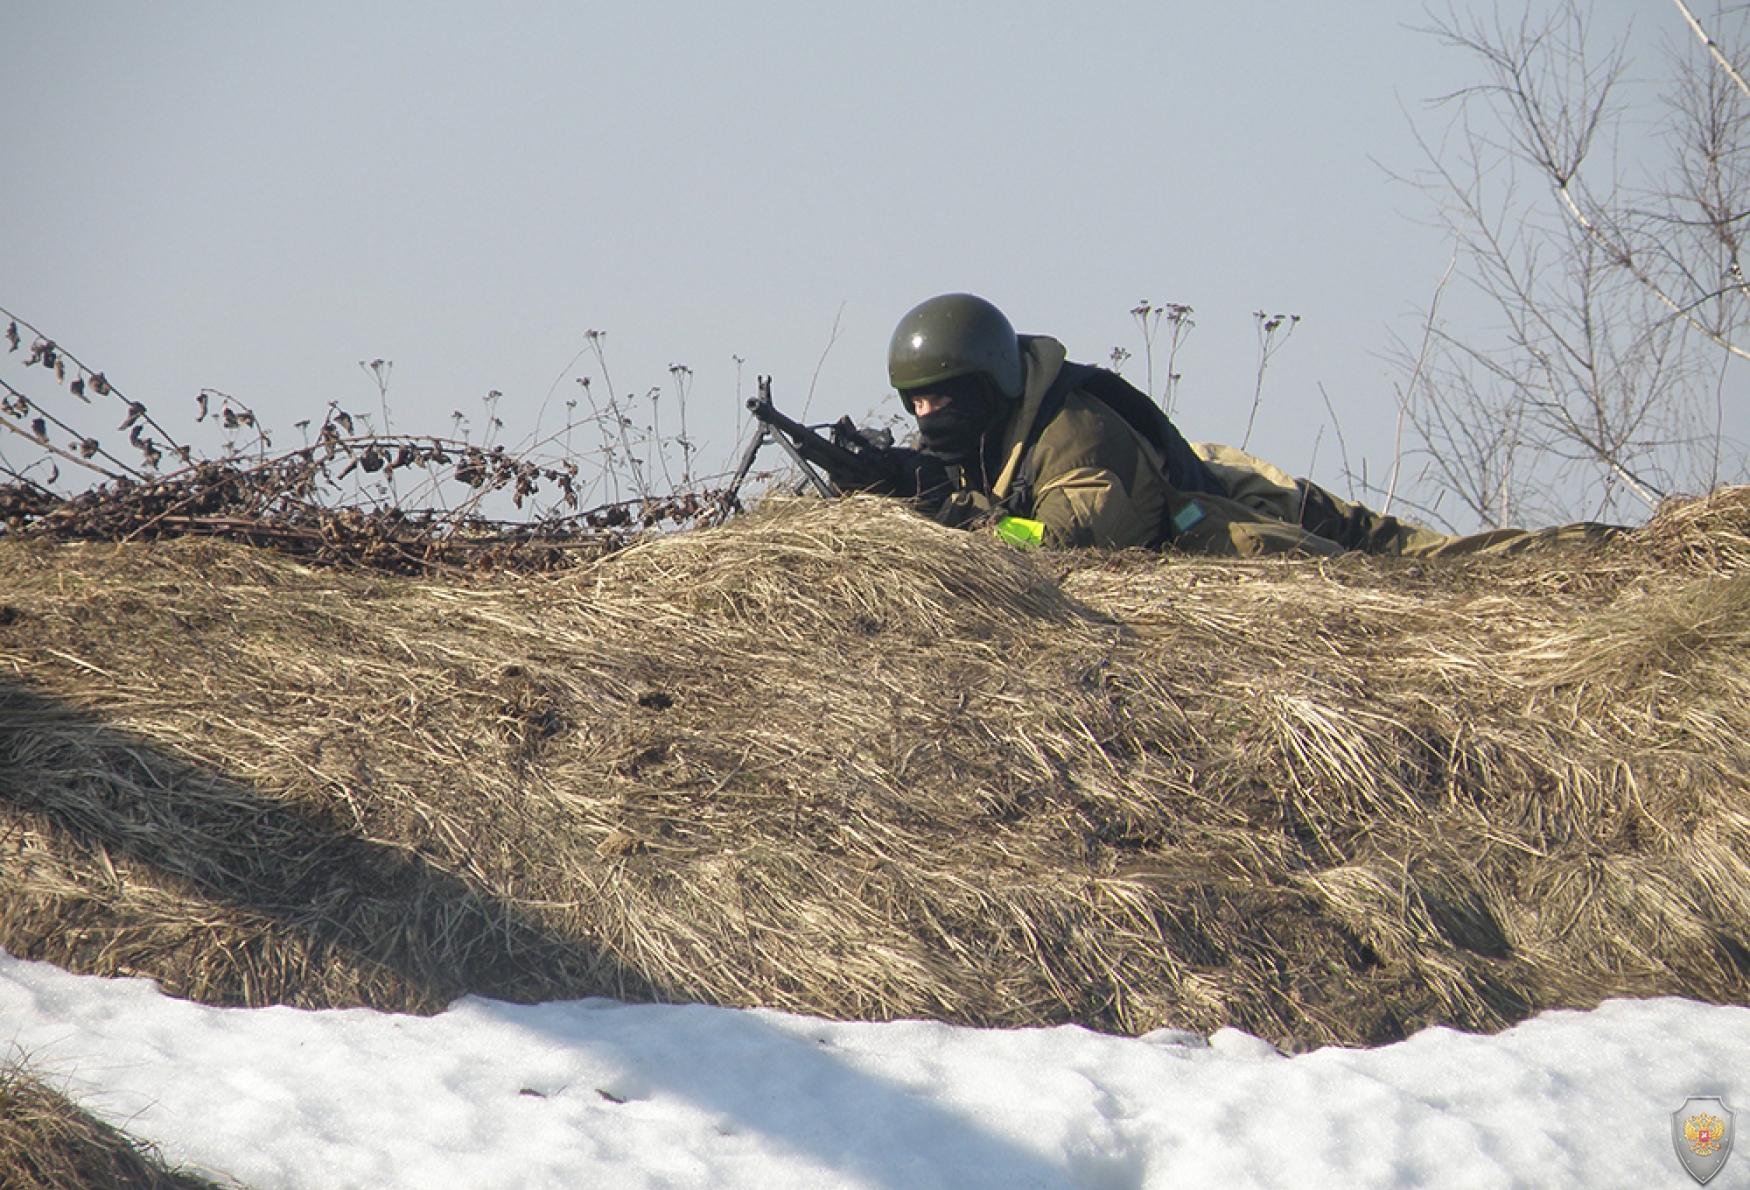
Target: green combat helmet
954 335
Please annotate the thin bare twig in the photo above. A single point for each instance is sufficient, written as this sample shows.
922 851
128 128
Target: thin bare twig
1713 47
1404 397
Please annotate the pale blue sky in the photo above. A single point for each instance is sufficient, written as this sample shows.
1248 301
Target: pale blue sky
254 198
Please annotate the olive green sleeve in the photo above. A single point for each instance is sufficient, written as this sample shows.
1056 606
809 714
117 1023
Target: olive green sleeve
1086 506
1089 506
1090 470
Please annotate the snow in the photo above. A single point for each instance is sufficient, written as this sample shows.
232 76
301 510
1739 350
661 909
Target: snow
598 1093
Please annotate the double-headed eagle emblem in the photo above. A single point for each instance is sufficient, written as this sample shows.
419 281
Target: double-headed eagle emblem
1702 1132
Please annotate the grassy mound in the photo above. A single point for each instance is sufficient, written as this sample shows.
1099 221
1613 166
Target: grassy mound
834 759
46 1143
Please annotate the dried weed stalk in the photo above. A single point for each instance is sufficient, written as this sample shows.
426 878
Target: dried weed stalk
338 498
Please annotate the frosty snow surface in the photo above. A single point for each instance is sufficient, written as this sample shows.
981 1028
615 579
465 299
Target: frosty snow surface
598 1093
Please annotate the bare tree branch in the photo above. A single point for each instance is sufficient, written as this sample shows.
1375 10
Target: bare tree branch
1713 47
1595 385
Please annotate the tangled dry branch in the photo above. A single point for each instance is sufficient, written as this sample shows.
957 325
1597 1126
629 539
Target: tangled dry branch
313 500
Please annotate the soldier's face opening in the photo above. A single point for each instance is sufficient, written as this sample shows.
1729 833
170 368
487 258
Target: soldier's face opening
924 404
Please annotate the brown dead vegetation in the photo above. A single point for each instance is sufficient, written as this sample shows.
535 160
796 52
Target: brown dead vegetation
46 1143
834 759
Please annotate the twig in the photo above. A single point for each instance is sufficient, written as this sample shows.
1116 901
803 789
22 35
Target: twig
1342 446
68 455
837 319
1268 325
595 341
1404 398
108 386
1713 47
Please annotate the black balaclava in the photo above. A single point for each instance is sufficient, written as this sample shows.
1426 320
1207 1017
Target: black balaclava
958 431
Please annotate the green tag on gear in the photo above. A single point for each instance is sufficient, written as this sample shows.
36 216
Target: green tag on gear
1021 532
1187 517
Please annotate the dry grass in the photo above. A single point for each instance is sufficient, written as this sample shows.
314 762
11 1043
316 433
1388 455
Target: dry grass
834 759
46 1143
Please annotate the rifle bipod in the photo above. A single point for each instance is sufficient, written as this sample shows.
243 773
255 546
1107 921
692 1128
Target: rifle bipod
764 434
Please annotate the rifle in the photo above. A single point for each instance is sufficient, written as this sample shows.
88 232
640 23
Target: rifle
856 460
